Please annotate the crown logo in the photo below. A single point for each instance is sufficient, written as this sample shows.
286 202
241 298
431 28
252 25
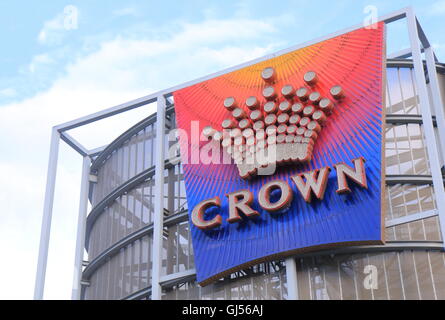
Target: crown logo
279 128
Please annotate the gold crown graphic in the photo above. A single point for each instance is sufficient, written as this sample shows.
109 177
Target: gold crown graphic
281 127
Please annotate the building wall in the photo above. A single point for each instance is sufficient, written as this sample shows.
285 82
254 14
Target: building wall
119 239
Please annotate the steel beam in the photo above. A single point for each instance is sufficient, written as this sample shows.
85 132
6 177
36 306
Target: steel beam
410 218
81 225
158 215
422 37
436 98
291 278
73 143
47 215
433 154
170 280
96 151
402 54
106 113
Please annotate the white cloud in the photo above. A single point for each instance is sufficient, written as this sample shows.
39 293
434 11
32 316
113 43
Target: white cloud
21 193
437 8
119 71
7 93
39 60
54 30
127 11
50 32
438 46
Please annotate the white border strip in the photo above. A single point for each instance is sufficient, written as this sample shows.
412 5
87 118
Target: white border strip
411 218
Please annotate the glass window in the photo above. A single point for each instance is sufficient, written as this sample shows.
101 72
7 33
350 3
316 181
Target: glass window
405 151
373 276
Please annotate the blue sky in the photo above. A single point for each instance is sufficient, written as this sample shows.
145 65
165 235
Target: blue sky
118 51
31 64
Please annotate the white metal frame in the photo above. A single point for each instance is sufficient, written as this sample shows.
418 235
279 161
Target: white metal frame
416 34
81 224
158 217
47 214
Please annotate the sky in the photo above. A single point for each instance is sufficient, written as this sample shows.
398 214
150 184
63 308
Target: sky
61 60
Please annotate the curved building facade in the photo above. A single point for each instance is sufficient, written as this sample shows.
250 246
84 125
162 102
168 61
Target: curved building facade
119 228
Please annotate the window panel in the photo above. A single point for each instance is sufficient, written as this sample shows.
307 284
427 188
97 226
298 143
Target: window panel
400 275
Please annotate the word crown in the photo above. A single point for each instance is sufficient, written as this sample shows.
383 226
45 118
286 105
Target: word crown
310 185
278 129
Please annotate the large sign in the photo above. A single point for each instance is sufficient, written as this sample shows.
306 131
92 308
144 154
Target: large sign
288 155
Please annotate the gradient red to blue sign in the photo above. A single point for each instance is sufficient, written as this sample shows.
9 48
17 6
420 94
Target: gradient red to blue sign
354 62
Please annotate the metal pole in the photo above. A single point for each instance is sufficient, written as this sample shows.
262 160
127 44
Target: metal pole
47 215
291 279
427 119
158 218
81 224
436 97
